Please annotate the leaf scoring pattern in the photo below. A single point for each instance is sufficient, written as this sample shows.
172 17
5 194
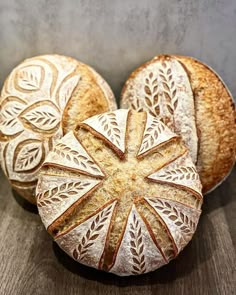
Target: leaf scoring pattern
112 127
169 91
92 234
137 252
137 247
33 99
28 155
137 241
180 219
29 77
57 194
72 155
43 117
172 101
9 111
180 172
151 94
155 133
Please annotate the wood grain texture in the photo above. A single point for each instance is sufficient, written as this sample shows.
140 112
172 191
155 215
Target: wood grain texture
31 263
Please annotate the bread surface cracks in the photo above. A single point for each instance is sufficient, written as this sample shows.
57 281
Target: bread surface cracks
125 181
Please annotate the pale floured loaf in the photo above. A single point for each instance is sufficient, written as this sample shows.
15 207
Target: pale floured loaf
41 100
194 102
120 193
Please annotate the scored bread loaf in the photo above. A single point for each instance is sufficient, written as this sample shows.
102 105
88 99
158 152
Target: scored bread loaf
194 102
120 193
41 100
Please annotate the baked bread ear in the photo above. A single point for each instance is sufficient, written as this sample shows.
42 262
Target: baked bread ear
120 193
41 100
194 102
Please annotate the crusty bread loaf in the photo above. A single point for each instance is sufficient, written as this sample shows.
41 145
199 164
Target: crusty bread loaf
120 193
194 102
41 100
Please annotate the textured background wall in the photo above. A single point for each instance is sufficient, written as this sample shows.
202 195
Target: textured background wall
115 36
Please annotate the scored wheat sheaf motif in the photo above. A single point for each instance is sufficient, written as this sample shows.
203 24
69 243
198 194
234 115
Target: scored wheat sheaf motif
189 173
57 194
70 154
151 95
110 127
136 104
88 240
152 134
181 220
169 87
137 247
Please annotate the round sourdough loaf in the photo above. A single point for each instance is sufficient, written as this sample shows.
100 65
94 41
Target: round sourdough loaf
194 102
120 193
41 100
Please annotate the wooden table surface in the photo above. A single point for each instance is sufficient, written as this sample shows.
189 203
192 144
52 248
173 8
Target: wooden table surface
31 263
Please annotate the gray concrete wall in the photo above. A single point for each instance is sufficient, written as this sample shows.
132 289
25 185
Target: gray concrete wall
116 36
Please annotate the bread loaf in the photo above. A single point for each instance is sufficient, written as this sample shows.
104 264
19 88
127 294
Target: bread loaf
194 102
41 100
120 193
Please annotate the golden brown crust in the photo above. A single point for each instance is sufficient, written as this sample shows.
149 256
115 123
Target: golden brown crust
121 225
108 258
163 240
106 141
166 229
183 187
88 99
151 150
61 219
42 99
101 261
215 119
28 192
152 235
215 113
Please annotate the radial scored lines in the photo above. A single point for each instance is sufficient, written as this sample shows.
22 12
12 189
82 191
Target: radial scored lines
155 134
70 153
55 194
181 172
85 242
137 252
180 220
110 127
